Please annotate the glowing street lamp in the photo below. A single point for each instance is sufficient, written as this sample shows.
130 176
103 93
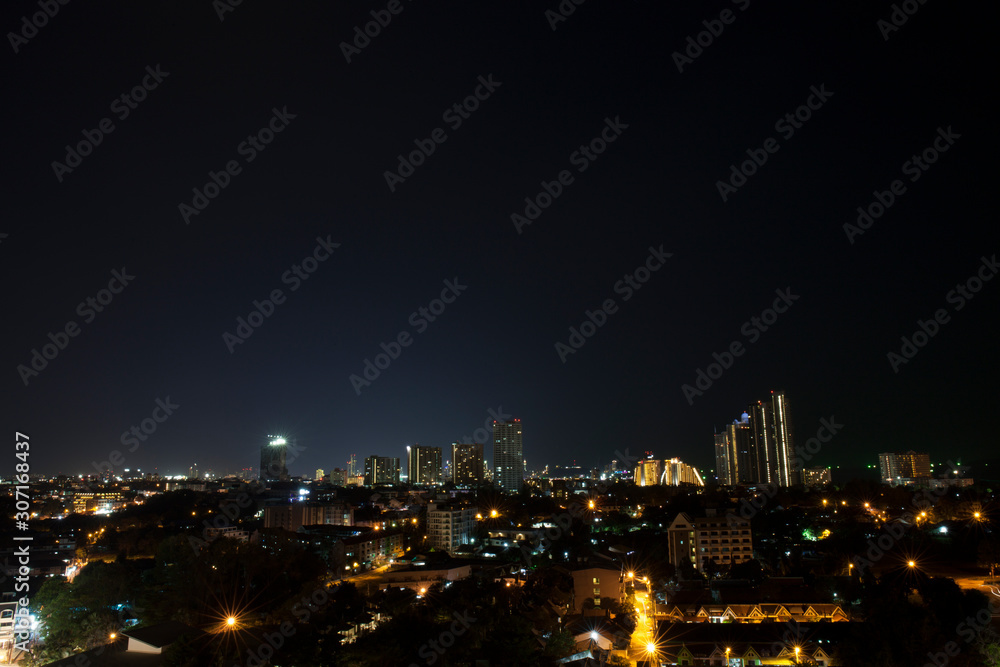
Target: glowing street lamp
231 622
911 563
494 514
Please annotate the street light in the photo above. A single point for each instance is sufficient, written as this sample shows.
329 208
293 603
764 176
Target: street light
911 563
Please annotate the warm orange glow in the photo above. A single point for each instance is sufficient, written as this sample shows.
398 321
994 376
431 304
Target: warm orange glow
494 513
650 647
113 635
911 563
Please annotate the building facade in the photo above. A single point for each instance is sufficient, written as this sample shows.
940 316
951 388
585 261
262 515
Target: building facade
670 472
696 541
758 448
467 464
450 526
423 465
508 455
273 458
294 516
815 477
897 467
381 470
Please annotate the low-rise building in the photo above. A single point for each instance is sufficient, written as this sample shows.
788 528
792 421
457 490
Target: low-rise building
595 583
450 526
725 540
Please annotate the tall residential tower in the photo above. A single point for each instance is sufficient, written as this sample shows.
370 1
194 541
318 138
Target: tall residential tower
508 455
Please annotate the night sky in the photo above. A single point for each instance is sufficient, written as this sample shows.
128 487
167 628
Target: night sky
609 66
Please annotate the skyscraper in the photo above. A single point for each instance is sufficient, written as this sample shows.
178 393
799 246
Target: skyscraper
467 464
381 470
423 465
758 448
722 473
272 460
508 455
785 471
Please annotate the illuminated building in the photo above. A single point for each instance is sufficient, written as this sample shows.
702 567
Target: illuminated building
423 465
508 455
450 526
467 464
725 540
272 460
381 470
671 472
816 477
758 448
896 467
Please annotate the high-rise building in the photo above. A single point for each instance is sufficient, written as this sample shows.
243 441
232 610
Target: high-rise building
423 465
648 472
338 476
381 470
467 464
508 455
272 460
672 472
722 472
319 475
785 471
758 448
898 467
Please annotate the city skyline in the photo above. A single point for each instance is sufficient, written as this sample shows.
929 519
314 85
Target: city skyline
605 234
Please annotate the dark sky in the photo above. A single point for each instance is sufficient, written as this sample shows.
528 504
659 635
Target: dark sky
655 185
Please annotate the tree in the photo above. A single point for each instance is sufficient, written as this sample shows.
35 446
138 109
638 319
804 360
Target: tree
560 644
988 555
